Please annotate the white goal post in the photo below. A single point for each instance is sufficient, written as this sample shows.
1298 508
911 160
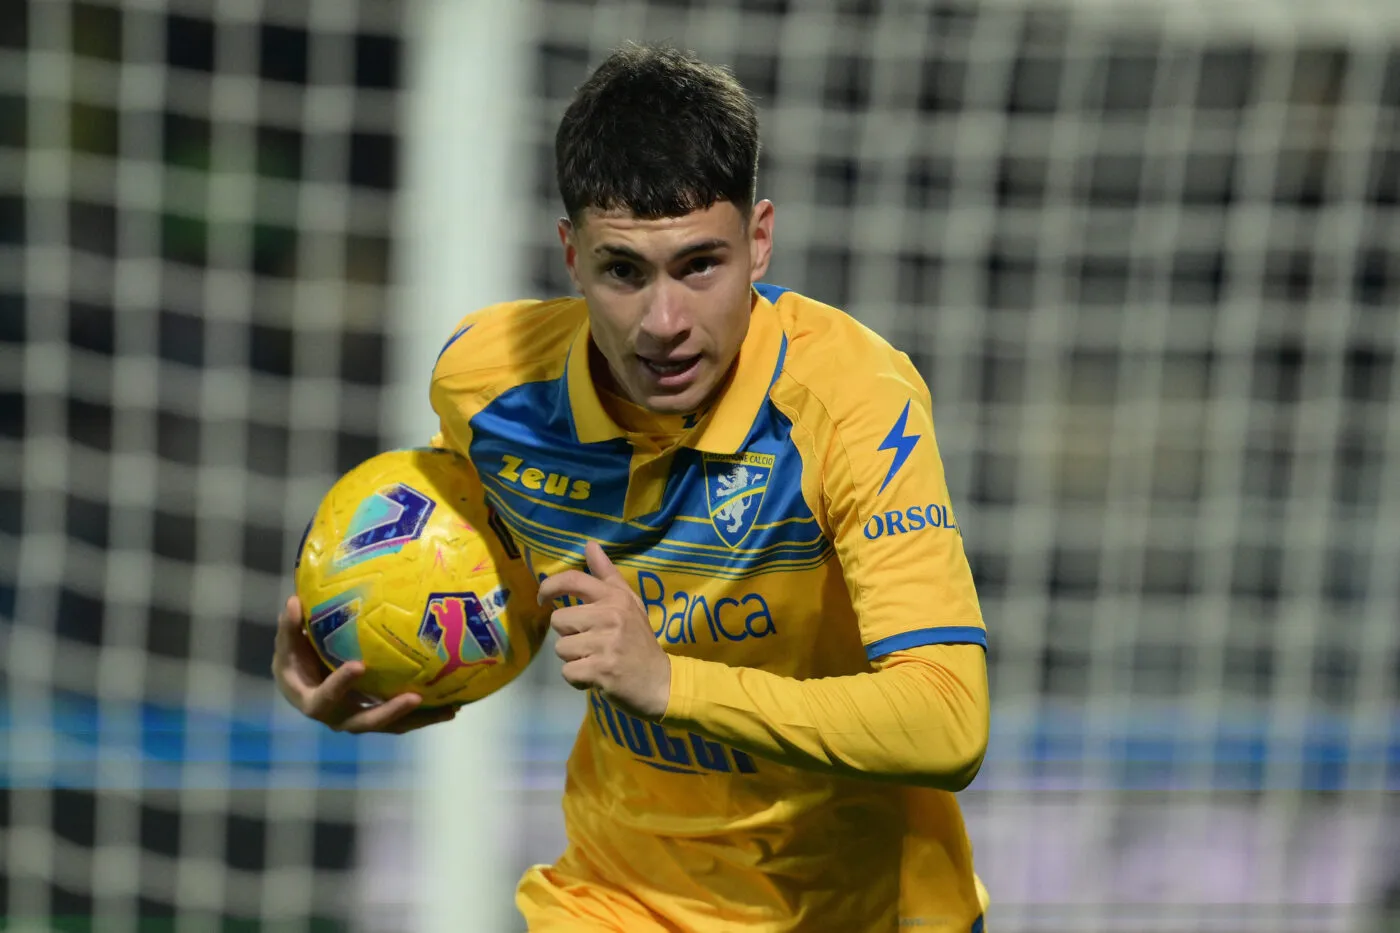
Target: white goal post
461 248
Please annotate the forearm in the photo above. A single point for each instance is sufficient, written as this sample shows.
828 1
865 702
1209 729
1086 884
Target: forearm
922 718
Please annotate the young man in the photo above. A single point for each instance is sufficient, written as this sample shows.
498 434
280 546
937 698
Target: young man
776 626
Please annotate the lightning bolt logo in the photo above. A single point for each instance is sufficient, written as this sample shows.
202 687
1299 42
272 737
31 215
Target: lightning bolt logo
900 443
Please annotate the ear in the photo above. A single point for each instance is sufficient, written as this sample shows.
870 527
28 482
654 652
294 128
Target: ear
760 239
566 239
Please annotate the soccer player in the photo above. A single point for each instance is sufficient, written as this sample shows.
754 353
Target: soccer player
733 500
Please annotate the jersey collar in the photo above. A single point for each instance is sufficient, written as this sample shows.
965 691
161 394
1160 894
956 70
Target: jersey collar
724 427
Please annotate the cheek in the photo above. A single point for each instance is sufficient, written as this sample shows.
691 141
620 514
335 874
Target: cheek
605 323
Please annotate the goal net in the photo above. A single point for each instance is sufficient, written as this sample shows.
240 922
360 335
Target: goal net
195 240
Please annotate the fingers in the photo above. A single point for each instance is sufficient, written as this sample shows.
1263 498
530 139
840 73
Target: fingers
382 717
285 628
574 647
328 696
420 718
574 583
574 619
296 674
289 620
293 648
328 701
400 715
599 565
580 674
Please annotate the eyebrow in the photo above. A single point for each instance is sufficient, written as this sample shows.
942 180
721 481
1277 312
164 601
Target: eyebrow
626 252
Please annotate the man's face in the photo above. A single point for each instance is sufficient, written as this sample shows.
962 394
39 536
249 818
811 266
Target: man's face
669 299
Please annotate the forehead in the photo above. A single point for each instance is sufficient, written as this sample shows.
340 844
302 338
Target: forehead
720 220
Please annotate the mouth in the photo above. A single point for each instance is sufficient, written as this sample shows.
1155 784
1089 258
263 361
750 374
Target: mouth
671 373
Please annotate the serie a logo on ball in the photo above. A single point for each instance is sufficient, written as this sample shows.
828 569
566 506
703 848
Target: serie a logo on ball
461 630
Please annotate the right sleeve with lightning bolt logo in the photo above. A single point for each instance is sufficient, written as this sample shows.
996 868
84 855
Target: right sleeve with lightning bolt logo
873 474
880 491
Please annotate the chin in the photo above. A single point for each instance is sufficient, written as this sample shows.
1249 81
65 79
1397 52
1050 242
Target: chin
692 398
673 404
681 400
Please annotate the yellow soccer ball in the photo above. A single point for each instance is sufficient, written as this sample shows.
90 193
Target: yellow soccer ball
405 568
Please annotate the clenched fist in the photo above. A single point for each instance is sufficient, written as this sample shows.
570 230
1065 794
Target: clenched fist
607 641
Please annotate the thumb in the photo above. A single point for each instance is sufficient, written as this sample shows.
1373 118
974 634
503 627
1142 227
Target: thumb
599 565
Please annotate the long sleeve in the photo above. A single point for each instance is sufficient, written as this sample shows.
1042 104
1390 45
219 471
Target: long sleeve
920 718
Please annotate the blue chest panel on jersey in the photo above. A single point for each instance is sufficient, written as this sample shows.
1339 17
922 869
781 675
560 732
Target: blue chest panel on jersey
728 517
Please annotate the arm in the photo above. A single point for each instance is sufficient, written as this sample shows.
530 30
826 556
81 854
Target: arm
921 717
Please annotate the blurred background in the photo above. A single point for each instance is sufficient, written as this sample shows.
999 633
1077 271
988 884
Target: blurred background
1146 255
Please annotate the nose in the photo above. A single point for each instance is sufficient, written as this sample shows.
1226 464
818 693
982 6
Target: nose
667 319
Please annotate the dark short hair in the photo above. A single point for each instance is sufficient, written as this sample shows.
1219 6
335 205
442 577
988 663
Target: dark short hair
659 133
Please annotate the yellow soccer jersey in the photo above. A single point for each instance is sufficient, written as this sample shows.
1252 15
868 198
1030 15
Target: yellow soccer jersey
799 526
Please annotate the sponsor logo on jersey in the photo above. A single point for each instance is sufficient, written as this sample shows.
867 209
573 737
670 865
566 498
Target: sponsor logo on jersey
904 521
516 471
681 618
662 749
734 488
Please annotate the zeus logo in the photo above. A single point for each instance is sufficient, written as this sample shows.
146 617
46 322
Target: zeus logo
901 444
517 471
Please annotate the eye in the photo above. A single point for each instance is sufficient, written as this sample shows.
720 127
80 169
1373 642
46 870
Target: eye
703 264
622 271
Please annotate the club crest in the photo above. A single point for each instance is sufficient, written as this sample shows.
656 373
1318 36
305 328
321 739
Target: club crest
734 488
